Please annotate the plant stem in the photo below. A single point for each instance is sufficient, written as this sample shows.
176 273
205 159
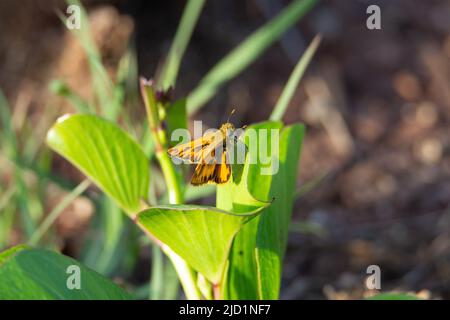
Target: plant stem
217 291
185 273
170 176
156 284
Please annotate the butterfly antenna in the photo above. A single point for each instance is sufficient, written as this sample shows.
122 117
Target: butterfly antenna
231 113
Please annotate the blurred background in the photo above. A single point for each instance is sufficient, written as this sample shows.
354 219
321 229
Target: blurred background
373 186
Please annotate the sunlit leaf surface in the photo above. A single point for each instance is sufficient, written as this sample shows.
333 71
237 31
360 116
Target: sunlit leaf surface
258 250
202 236
37 274
106 154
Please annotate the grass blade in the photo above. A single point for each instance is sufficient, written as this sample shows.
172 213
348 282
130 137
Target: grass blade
183 35
9 138
6 196
25 205
294 79
54 214
105 253
171 283
156 283
7 209
11 148
247 52
60 88
101 81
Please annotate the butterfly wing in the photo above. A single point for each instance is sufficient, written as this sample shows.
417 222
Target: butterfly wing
203 151
212 172
199 150
222 171
203 173
195 150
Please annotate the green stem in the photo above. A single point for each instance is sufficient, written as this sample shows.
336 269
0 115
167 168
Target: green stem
173 186
217 292
156 284
55 213
186 274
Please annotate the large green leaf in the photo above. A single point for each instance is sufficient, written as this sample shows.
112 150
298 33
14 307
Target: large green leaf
106 154
37 274
202 236
256 257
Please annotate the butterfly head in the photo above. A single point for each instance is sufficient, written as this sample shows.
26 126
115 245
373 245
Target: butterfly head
227 126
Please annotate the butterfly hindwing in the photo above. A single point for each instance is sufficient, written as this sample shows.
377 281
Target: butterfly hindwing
203 174
222 172
215 172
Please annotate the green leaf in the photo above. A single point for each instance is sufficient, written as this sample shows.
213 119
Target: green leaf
5 255
106 154
393 296
246 53
37 274
176 118
256 257
294 79
188 21
201 235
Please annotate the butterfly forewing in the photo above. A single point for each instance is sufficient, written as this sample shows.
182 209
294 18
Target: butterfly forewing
194 151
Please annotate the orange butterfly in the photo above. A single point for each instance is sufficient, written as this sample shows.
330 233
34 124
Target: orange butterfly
206 151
